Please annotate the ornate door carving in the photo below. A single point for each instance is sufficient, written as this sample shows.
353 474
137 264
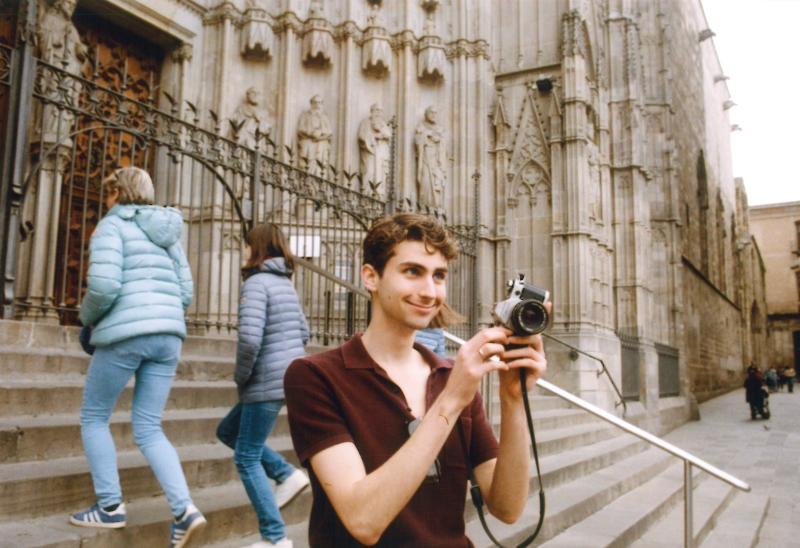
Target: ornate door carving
130 66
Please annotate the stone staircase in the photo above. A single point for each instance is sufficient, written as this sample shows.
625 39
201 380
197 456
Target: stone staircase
603 488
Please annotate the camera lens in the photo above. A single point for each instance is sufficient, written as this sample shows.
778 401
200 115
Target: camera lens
529 317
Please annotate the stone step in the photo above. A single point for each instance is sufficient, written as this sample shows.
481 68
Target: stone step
298 533
632 515
538 403
64 485
225 506
573 437
26 438
55 395
566 466
57 436
32 363
574 501
741 524
41 335
199 464
710 498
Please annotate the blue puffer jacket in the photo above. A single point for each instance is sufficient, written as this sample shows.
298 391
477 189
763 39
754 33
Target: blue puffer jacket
433 338
272 332
139 280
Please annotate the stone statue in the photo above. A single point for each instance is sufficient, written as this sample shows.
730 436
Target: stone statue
374 137
314 138
59 45
430 151
252 118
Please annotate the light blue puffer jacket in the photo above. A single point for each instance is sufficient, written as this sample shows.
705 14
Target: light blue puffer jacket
433 338
139 280
272 332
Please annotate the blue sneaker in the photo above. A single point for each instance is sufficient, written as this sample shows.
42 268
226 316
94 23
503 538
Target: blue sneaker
191 522
97 517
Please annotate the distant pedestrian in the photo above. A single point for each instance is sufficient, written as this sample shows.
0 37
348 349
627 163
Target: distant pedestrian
789 374
781 378
754 393
139 287
771 376
272 333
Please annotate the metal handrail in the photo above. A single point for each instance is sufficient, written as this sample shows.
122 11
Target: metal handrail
689 459
603 370
305 263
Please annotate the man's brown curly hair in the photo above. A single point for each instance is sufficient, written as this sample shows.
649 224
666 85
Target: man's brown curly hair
386 232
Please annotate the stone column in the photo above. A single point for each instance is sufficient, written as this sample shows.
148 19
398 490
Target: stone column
632 208
37 265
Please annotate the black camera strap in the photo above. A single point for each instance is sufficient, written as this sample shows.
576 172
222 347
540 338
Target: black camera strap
474 488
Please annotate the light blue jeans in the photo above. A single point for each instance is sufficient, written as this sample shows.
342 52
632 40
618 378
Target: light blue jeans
245 429
153 360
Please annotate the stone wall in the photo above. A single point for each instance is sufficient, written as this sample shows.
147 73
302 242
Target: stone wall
776 228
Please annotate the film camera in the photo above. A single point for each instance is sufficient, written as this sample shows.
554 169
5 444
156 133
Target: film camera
523 312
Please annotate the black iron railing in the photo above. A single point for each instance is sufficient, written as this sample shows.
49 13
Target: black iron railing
81 131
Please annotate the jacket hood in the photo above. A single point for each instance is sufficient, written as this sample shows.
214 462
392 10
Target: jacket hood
276 265
162 225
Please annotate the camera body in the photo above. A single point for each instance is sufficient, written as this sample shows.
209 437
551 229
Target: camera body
524 311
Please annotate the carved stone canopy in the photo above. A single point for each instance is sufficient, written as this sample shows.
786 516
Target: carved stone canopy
432 58
376 48
257 38
318 44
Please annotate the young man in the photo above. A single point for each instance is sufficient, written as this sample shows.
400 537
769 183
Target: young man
375 420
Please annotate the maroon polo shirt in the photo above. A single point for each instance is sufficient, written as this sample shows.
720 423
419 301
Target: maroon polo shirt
341 396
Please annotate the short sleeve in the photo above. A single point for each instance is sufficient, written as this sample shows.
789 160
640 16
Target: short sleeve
483 443
315 418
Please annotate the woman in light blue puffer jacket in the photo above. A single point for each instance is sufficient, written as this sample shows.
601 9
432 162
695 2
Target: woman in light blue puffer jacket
139 286
272 333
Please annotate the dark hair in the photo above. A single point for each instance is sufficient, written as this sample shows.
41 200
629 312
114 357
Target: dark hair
391 230
266 241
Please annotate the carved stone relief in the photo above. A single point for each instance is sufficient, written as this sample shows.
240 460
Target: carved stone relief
430 150
530 157
314 136
374 139
318 44
250 120
257 37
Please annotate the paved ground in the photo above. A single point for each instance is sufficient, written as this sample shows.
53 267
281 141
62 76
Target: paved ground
766 454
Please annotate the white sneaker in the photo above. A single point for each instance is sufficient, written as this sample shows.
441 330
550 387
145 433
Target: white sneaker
283 543
290 488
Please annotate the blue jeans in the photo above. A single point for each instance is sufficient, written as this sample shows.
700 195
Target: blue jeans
245 430
153 360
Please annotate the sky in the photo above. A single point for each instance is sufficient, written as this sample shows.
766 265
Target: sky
758 44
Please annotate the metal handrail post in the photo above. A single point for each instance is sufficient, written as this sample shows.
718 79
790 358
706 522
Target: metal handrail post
688 524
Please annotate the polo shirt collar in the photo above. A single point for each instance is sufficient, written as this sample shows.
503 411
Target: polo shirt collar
355 356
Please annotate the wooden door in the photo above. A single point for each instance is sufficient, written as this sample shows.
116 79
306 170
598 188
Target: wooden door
130 66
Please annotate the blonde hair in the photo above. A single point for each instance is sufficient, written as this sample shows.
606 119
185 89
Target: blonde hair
446 317
133 185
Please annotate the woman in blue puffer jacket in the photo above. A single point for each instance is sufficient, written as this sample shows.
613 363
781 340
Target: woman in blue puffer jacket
139 286
272 333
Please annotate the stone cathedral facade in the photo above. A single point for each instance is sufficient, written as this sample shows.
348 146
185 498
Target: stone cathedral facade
590 140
